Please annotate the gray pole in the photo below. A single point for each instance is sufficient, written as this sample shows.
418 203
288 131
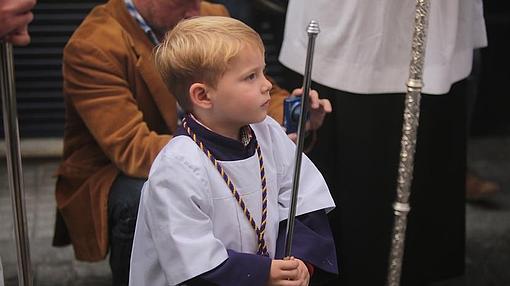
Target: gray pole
312 30
13 155
408 141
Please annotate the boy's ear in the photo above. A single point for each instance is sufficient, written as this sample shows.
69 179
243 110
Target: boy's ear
198 95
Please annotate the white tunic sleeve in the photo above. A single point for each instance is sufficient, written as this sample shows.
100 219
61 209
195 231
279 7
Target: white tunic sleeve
164 243
313 192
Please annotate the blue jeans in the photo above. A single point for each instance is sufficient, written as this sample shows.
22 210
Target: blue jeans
122 211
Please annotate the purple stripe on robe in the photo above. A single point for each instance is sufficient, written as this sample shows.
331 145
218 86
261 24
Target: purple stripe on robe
239 269
313 243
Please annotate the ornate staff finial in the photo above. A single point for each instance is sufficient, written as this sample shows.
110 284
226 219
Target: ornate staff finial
313 28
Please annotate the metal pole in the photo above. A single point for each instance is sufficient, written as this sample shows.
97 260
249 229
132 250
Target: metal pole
312 30
408 141
13 155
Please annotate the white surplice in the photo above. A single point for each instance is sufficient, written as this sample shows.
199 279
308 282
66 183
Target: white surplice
188 217
365 46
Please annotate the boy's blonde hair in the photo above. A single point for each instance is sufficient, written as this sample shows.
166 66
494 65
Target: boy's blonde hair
200 50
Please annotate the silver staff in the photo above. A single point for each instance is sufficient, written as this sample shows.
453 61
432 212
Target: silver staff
312 30
13 155
408 141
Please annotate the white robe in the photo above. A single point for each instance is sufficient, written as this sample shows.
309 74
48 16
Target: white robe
188 217
365 45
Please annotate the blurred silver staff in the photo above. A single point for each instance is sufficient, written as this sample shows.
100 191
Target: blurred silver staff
13 155
312 30
408 141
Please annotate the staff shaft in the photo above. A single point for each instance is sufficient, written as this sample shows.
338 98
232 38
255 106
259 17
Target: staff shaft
13 155
313 31
408 141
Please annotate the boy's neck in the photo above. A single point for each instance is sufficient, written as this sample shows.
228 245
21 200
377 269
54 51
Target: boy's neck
226 131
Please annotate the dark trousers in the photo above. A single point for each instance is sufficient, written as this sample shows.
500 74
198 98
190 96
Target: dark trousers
122 211
358 151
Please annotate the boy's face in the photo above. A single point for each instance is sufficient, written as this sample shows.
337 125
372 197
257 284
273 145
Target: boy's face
241 95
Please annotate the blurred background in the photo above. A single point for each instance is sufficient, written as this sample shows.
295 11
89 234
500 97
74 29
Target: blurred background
41 120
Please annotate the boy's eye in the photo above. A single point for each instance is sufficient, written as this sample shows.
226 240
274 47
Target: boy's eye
251 76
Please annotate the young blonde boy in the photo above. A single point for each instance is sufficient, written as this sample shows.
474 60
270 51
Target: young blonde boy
214 207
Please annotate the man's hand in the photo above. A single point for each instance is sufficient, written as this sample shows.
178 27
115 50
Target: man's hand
318 110
288 272
14 18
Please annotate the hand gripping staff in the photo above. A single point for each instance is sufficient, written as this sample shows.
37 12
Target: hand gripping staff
313 31
13 156
408 142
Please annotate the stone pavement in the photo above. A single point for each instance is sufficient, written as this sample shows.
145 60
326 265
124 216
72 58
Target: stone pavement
488 222
50 265
487 241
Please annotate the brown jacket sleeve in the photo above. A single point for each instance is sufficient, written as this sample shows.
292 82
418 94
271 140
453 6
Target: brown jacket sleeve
96 85
276 105
209 9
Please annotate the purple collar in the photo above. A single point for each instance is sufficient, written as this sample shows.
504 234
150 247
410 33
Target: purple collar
222 148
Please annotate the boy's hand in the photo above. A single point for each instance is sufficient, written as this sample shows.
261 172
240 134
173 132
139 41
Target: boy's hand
288 272
303 274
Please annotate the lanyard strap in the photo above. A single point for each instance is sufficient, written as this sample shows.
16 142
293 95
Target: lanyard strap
262 247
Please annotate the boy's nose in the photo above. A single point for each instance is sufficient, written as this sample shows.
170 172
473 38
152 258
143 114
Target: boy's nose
267 85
